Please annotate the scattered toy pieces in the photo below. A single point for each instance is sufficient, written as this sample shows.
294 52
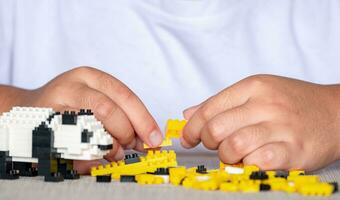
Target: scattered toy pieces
160 167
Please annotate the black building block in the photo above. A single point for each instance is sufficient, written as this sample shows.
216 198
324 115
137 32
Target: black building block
264 187
258 175
69 118
104 179
131 158
127 178
201 169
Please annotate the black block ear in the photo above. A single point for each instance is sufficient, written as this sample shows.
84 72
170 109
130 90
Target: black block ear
85 112
85 136
69 118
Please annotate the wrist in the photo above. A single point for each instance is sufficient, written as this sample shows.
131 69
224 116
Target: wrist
334 91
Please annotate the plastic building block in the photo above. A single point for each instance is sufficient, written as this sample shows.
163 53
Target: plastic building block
104 179
282 174
296 172
161 171
229 187
177 175
336 186
166 142
201 169
148 163
258 175
316 189
174 128
264 187
127 178
132 158
144 179
50 139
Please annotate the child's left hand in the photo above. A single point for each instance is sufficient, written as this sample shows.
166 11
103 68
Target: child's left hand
270 121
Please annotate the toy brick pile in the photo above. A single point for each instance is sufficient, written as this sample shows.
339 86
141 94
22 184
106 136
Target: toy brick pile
160 167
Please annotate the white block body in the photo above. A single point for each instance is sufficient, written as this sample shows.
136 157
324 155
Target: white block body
17 125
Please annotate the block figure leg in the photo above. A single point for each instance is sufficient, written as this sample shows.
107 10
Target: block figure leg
7 170
65 167
25 169
47 156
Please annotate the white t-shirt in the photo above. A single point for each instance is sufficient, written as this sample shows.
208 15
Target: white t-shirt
172 53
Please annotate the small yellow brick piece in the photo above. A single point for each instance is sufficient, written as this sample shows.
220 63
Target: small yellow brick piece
166 143
174 128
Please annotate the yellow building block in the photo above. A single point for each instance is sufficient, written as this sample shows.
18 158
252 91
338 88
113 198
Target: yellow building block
248 169
271 174
229 187
316 189
176 175
145 179
166 143
210 184
188 182
280 184
174 128
249 186
288 187
149 163
303 180
296 172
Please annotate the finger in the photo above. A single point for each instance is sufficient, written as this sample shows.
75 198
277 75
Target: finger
110 114
227 122
84 166
246 140
139 145
131 145
273 156
189 112
115 155
140 118
114 151
229 98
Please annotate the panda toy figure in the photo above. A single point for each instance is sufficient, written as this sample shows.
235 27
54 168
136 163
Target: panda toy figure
51 140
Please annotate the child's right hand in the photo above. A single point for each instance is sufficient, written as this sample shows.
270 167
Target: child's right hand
123 114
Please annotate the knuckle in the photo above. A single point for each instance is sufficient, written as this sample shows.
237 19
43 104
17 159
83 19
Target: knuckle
215 130
83 70
205 112
222 155
258 82
237 144
105 109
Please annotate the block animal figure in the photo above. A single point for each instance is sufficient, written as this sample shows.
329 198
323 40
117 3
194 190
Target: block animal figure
51 140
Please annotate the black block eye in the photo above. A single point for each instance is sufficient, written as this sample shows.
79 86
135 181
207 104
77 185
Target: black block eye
69 118
85 136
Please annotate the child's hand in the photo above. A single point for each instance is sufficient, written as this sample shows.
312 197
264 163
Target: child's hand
269 121
123 114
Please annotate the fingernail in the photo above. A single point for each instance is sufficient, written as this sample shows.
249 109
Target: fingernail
155 138
120 154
